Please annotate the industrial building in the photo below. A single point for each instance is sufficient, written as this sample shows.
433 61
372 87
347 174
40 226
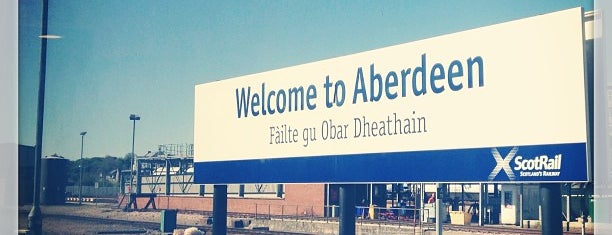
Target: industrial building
53 177
515 204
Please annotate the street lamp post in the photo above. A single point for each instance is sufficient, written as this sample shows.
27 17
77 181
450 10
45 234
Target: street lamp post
81 169
134 118
35 216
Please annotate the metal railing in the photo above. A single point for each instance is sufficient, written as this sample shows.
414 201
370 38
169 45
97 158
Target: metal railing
400 217
288 212
92 191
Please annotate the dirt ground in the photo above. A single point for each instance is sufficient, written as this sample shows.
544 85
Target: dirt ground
54 225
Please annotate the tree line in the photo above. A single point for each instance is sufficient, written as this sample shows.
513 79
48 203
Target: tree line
101 170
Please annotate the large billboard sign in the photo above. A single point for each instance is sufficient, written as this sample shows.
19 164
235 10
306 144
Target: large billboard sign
502 103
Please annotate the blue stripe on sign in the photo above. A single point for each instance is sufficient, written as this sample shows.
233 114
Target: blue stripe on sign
456 165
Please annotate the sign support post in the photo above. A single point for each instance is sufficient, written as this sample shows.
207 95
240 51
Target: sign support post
551 208
220 210
521 207
439 204
347 209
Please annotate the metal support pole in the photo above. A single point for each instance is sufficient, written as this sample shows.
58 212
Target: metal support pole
583 227
481 200
138 178
279 190
521 207
241 190
421 203
133 118
495 190
347 209
371 194
439 209
220 210
202 190
81 169
568 210
551 208
462 197
168 182
133 158
488 210
516 195
121 182
327 206
35 216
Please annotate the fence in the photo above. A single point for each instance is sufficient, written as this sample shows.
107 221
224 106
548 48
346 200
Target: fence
92 191
400 217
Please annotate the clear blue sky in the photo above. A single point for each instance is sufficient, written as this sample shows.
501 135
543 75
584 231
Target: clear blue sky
119 57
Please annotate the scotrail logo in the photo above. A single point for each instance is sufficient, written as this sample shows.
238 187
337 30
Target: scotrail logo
503 163
541 165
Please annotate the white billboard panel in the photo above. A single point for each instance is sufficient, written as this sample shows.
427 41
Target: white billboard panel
504 98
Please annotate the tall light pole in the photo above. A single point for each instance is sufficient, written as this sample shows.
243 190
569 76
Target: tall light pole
35 216
134 118
81 169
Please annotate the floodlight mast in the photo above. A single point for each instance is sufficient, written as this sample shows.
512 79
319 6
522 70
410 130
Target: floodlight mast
133 118
81 169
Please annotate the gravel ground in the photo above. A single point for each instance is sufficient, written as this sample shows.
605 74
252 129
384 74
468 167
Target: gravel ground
53 225
58 225
62 226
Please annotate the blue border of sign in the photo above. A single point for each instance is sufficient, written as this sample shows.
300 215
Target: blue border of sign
455 165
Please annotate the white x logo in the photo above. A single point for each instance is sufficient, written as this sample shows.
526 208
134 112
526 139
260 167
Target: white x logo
503 163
